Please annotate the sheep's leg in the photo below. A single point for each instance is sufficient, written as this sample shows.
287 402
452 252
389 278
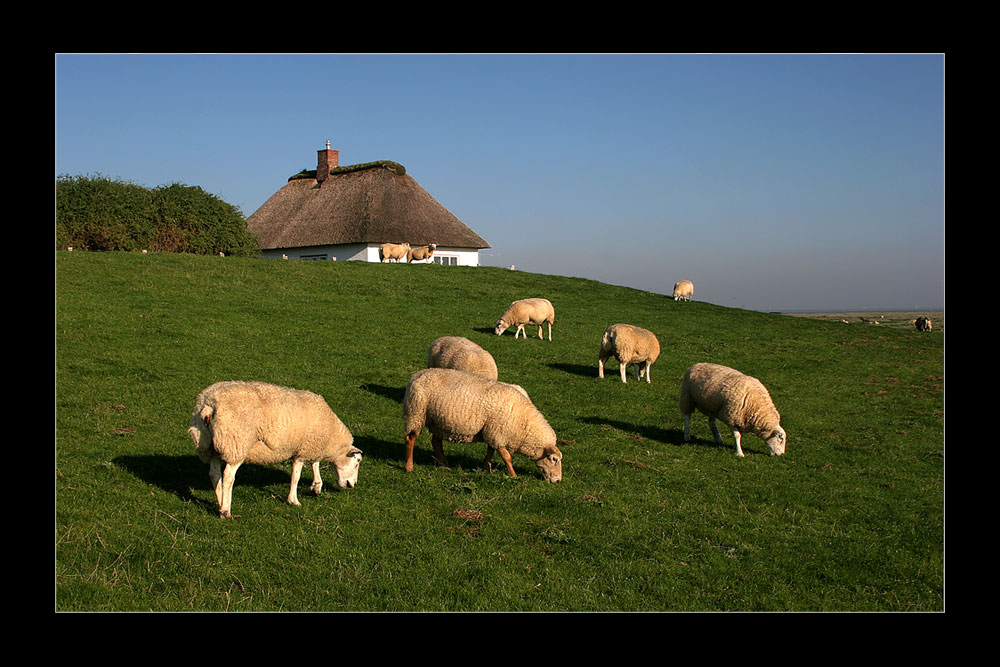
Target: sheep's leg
520 330
600 366
487 462
541 334
505 455
715 431
439 451
687 428
736 436
228 477
638 373
623 369
317 485
215 476
293 496
648 366
550 330
411 440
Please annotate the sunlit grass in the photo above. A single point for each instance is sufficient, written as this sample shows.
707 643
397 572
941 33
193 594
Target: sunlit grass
851 518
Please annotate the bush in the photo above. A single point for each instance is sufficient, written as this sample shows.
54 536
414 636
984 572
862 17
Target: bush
96 213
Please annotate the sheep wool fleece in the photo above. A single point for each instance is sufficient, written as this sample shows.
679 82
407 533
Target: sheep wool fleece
740 401
465 407
261 423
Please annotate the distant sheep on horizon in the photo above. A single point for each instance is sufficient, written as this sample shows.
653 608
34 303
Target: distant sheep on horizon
393 251
683 290
421 253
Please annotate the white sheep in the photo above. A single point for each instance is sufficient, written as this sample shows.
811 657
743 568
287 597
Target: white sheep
740 401
421 253
683 290
461 354
393 251
629 345
524 312
466 407
255 422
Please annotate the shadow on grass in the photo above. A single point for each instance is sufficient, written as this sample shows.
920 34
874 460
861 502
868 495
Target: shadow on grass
392 393
669 436
576 369
179 475
373 448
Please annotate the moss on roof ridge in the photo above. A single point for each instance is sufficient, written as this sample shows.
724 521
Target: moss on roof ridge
394 167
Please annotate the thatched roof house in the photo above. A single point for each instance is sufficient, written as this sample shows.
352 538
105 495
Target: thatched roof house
348 212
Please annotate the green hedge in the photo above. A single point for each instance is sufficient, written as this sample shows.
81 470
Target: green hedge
97 213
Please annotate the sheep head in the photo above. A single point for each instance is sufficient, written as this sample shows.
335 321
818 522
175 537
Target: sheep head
550 465
347 466
776 442
501 327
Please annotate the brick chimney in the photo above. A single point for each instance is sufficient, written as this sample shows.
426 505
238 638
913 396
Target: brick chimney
326 160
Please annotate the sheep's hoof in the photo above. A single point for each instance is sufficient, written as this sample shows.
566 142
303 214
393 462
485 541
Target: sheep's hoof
316 489
294 501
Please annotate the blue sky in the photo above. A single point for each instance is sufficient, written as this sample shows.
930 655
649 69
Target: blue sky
773 182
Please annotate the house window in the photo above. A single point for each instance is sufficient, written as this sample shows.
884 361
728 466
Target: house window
323 256
445 260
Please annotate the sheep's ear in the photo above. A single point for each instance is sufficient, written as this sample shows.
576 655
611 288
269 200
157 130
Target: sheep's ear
355 452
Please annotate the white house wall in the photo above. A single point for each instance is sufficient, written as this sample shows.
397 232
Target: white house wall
369 253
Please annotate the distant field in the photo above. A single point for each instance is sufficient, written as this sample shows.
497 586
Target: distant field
901 320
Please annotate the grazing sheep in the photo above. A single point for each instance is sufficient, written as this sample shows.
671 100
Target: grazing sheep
924 324
629 345
255 422
683 290
527 311
739 400
421 253
461 354
466 407
393 251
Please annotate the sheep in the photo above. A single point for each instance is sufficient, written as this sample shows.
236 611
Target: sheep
466 407
924 324
629 345
461 354
254 422
524 312
683 290
421 253
740 401
394 251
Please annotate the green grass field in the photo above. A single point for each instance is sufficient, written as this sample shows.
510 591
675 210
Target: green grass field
850 519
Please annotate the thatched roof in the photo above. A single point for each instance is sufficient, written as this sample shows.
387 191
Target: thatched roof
373 204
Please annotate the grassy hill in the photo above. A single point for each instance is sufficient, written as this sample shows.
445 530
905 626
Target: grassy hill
851 518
